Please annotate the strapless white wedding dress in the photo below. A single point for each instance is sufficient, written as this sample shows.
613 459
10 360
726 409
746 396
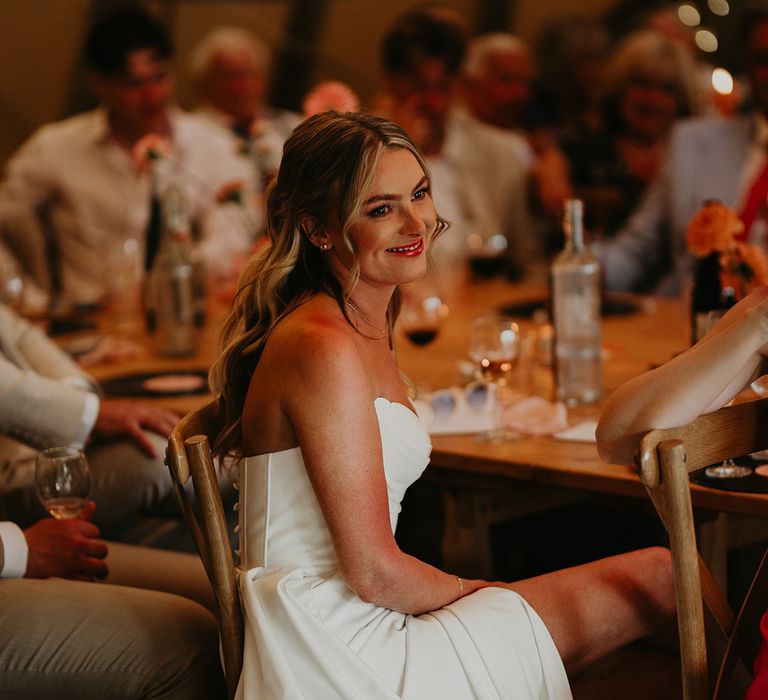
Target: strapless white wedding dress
307 635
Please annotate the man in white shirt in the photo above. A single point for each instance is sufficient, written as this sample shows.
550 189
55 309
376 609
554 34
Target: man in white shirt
478 175
230 69
48 401
61 634
707 159
496 79
78 189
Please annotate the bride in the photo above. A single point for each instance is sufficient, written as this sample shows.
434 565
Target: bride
315 406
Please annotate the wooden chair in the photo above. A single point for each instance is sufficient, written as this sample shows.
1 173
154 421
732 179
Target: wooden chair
189 454
665 459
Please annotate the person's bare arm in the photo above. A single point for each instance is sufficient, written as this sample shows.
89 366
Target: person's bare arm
700 380
330 403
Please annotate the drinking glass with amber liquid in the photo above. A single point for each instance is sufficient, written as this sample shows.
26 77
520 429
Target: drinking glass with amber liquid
63 481
494 348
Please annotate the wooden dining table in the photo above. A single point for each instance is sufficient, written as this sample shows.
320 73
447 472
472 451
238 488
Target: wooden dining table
485 480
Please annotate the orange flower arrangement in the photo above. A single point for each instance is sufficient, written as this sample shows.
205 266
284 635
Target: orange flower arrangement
714 230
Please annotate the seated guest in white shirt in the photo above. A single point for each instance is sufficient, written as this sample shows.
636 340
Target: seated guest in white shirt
708 158
49 401
77 186
74 639
230 69
478 177
496 79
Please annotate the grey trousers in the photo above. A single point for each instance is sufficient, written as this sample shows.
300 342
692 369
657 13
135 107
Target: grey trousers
125 483
68 639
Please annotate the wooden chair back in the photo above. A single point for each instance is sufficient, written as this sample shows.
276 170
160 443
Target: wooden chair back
189 455
665 459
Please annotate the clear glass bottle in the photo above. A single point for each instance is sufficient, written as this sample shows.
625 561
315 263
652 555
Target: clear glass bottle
171 286
575 298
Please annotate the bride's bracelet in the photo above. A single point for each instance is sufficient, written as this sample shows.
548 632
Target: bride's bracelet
461 586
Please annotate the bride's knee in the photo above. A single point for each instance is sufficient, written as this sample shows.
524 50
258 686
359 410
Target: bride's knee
657 569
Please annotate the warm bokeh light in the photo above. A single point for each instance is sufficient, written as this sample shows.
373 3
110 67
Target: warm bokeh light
722 81
706 40
719 7
689 15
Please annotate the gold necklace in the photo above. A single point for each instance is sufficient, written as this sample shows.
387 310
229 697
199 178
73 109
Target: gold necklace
383 332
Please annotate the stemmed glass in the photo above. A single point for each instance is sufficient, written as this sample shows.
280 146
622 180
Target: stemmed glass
421 315
494 348
486 258
63 481
728 469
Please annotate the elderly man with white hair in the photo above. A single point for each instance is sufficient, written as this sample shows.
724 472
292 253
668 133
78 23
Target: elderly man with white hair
496 86
229 68
496 80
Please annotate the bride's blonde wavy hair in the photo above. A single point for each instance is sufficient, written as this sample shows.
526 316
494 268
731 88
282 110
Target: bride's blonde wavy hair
327 168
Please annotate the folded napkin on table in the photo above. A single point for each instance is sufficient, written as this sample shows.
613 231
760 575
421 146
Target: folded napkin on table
459 411
533 415
581 432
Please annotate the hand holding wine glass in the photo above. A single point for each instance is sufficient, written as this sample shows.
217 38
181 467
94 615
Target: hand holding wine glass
494 348
66 548
63 481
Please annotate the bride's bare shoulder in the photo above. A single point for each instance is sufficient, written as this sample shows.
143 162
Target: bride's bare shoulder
312 336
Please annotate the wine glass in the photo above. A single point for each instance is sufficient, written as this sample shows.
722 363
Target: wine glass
63 481
728 469
421 314
494 348
486 258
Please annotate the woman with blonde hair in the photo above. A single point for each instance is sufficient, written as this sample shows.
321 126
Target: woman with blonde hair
648 83
328 443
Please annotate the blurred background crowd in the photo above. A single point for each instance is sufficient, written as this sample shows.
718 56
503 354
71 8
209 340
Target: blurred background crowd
517 106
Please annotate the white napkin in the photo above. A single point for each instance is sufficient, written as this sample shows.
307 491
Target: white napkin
581 432
448 412
533 415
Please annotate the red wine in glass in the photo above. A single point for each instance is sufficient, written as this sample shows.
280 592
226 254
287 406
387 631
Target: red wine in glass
485 266
421 335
